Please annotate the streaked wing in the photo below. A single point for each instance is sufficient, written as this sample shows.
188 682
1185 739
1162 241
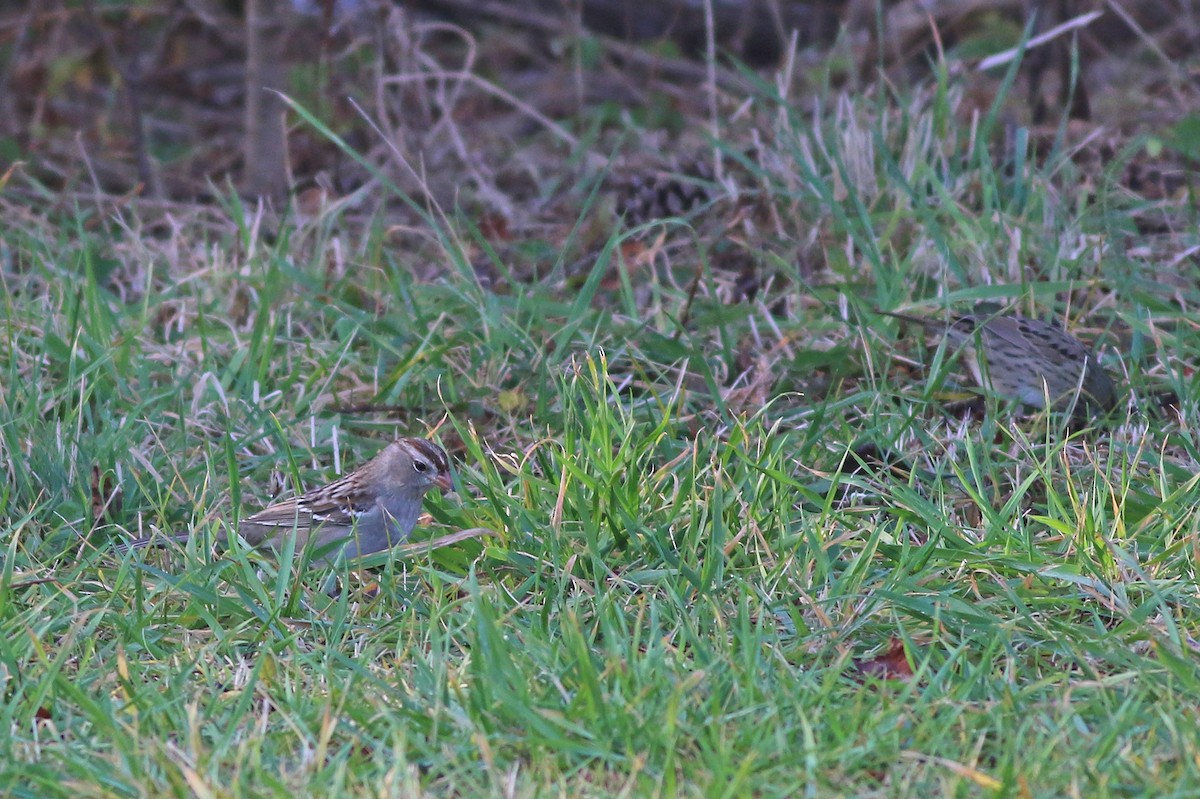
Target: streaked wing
331 504
1010 331
289 513
1061 348
1039 340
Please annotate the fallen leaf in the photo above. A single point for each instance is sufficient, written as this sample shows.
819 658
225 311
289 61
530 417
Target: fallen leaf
494 227
891 665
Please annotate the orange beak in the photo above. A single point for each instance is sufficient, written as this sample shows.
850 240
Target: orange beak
442 481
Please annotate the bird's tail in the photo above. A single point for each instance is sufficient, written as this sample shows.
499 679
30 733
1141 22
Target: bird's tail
150 541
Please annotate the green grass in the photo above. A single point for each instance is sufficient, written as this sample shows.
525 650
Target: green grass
680 586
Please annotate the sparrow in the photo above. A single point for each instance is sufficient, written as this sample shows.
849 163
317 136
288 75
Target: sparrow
368 510
1026 360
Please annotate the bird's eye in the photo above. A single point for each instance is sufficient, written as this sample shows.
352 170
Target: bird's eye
421 466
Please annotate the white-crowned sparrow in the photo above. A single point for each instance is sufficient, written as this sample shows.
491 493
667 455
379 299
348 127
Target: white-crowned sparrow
367 510
1027 360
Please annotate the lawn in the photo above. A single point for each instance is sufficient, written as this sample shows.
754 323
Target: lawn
742 537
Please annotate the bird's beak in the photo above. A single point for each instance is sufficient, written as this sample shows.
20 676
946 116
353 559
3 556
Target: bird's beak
442 481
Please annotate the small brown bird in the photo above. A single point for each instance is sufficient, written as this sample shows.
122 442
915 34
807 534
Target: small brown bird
368 510
1027 360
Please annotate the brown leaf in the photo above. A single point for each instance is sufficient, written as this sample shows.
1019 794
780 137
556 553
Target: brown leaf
635 257
494 228
632 249
891 665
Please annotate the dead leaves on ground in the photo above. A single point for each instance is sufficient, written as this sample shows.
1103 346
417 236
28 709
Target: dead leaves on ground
891 664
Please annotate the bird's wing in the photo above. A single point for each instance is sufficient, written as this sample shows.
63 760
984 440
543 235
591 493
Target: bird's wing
288 513
335 503
1010 330
1054 344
